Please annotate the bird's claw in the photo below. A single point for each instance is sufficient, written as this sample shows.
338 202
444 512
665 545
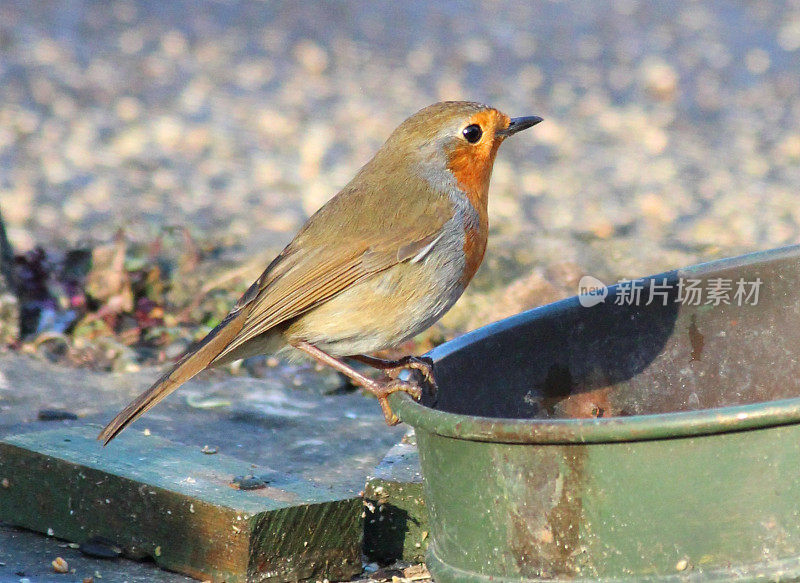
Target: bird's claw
383 390
424 366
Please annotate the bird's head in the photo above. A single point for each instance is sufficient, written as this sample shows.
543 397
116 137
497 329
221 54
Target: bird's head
454 140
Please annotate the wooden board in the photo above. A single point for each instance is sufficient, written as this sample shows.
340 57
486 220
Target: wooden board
173 503
396 518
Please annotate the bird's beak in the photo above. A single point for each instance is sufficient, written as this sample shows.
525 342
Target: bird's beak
518 124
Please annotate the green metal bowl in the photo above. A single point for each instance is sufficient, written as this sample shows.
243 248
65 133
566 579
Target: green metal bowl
626 441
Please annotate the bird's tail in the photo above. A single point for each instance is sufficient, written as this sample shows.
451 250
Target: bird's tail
191 364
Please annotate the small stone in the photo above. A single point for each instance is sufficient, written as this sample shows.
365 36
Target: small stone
789 34
248 483
416 572
789 148
128 108
660 79
656 207
311 56
60 565
682 565
655 140
55 415
476 50
174 44
550 133
602 228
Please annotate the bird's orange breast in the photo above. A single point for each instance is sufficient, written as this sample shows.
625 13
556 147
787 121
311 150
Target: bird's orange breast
471 165
474 247
474 182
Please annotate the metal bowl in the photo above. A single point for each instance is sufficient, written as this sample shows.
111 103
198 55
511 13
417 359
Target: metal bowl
655 438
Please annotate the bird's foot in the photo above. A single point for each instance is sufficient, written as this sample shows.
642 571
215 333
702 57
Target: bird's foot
394 367
383 390
421 364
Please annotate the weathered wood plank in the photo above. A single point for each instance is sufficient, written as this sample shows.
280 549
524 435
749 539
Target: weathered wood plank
173 503
396 518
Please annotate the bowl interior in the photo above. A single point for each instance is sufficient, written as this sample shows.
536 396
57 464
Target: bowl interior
664 348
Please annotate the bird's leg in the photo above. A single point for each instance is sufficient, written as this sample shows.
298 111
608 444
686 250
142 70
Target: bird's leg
423 365
380 389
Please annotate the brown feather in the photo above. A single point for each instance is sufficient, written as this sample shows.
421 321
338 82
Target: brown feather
186 368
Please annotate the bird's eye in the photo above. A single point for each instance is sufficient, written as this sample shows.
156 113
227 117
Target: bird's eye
472 133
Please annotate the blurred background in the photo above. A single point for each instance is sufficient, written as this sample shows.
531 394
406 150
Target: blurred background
672 136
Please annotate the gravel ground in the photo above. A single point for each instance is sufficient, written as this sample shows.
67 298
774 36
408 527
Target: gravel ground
672 131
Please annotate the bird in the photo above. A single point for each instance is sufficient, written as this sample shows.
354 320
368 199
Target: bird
377 264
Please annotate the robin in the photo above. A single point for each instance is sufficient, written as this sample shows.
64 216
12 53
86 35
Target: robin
380 262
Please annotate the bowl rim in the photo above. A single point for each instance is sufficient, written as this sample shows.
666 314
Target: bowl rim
677 424
597 430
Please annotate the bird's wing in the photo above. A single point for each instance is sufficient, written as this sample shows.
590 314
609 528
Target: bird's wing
352 237
314 278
